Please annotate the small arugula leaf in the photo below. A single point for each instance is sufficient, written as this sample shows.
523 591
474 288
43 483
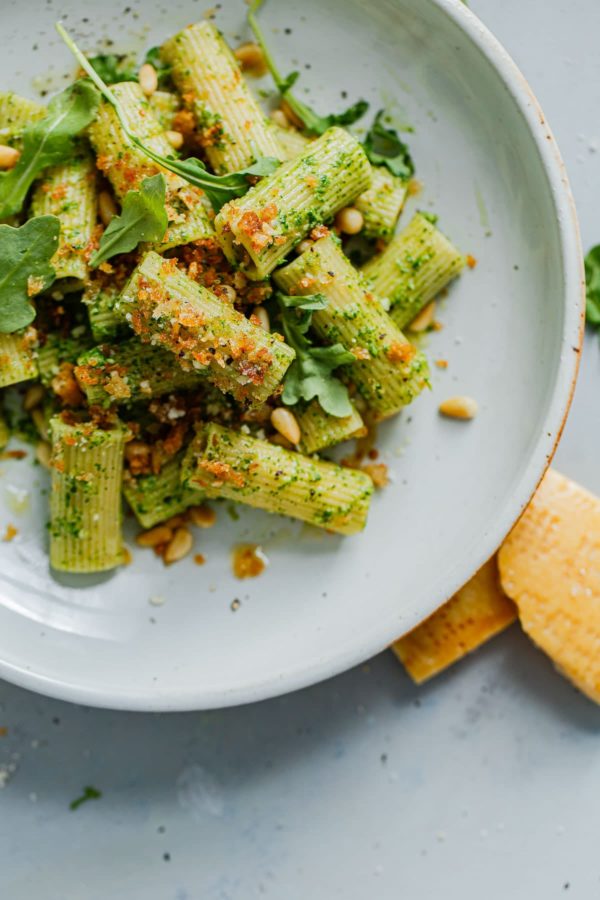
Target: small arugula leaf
48 141
312 122
311 373
163 69
25 269
384 148
89 793
307 302
220 189
143 218
112 68
592 283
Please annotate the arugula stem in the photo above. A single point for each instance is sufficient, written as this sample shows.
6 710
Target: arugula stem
218 188
258 34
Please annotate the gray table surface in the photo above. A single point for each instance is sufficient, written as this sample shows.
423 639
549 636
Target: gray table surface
483 784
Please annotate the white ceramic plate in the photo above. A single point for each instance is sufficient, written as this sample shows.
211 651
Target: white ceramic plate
512 334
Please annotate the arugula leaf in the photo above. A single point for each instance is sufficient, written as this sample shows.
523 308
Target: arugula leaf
112 68
313 123
592 283
308 301
310 375
384 148
89 793
47 142
218 188
143 218
25 269
163 69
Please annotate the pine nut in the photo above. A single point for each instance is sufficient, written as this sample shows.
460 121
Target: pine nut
290 115
251 58
459 408
148 79
107 208
33 397
155 536
280 441
175 138
349 220
179 546
303 247
263 317
39 420
202 516
278 116
9 157
424 319
174 522
43 453
284 421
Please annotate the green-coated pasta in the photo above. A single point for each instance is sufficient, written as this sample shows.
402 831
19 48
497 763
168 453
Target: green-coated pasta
131 371
85 498
389 372
69 192
165 307
57 350
291 141
320 430
164 105
106 324
258 230
413 269
17 357
154 498
382 203
15 113
126 167
224 463
233 128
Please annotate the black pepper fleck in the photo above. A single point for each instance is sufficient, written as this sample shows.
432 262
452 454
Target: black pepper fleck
167 857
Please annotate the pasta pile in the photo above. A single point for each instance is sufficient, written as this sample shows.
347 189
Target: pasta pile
195 284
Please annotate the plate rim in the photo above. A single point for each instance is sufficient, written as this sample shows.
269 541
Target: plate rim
196 698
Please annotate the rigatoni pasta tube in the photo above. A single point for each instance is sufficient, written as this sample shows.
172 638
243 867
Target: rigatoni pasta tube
17 357
85 497
131 371
258 230
291 141
164 105
126 167
105 322
225 463
382 203
233 128
15 113
413 268
320 430
58 350
167 308
69 192
154 498
389 372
